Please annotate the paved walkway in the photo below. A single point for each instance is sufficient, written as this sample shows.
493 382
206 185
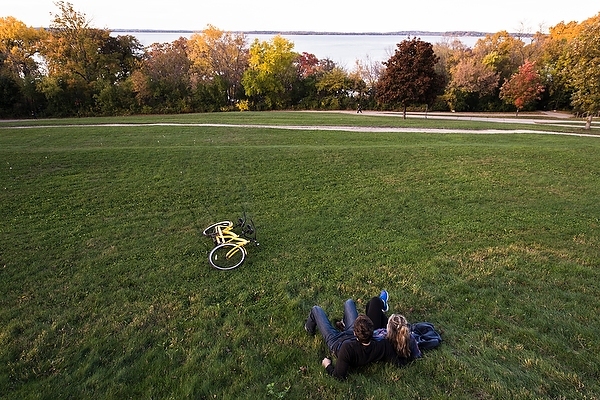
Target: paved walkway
542 118
547 119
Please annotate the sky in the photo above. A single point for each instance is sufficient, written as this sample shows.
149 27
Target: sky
314 15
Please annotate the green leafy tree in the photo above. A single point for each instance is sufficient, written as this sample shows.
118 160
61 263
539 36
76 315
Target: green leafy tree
271 74
125 52
116 99
309 72
114 92
334 87
523 88
409 76
10 94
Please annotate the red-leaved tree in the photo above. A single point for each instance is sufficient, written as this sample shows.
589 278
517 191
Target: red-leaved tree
409 76
523 88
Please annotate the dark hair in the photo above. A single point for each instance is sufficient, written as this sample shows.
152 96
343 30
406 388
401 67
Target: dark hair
363 328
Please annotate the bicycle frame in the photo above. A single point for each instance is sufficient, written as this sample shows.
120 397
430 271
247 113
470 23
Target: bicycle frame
227 235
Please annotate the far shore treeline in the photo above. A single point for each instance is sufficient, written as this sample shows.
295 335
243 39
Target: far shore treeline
287 33
74 69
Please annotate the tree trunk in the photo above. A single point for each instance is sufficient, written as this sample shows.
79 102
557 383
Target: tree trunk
404 112
588 122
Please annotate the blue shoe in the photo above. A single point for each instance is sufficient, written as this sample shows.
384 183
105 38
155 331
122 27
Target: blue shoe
384 296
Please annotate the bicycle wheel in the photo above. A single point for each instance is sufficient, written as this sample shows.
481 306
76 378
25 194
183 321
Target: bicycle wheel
211 231
227 256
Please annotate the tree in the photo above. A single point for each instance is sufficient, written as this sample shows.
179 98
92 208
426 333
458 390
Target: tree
502 52
472 76
366 74
19 68
449 52
409 76
19 44
221 56
81 61
553 64
368 71
113 90
309 72
523 87
126 52
308 64
333 88
583 68
269 79
471 80
73 46
162 83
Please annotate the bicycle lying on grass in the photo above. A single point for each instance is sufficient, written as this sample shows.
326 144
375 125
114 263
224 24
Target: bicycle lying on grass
230 251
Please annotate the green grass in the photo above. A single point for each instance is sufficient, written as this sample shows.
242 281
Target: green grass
106 291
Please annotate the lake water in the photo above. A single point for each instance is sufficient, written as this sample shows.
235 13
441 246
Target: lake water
344 50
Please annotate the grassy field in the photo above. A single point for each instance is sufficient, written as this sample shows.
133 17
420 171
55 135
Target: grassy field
106 291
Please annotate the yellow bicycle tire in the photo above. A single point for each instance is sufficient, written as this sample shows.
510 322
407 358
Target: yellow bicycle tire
227 256
211 230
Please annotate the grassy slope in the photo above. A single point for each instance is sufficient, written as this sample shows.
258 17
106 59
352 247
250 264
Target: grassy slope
106 291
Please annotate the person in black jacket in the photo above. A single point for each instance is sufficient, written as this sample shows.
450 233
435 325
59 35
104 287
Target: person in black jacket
354 345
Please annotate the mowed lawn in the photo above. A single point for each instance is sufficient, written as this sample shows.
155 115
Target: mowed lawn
106 291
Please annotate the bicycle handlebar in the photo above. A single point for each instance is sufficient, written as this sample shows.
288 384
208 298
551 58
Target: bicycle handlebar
248 229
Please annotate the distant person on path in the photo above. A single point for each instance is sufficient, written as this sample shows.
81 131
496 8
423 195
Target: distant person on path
359 110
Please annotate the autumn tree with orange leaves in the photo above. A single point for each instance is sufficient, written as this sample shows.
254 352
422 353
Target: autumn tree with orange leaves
222 56
582 61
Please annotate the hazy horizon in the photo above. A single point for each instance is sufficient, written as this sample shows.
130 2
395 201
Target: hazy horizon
313 15
293 32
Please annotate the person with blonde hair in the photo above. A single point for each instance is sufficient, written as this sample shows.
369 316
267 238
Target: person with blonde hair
395 329
399 335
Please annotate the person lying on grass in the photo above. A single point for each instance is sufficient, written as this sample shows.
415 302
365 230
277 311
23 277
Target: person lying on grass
395 329
354 345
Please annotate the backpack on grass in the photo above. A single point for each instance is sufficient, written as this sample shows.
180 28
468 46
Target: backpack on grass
426 335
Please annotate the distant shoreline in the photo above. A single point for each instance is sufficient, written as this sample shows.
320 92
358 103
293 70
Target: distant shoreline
314 33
